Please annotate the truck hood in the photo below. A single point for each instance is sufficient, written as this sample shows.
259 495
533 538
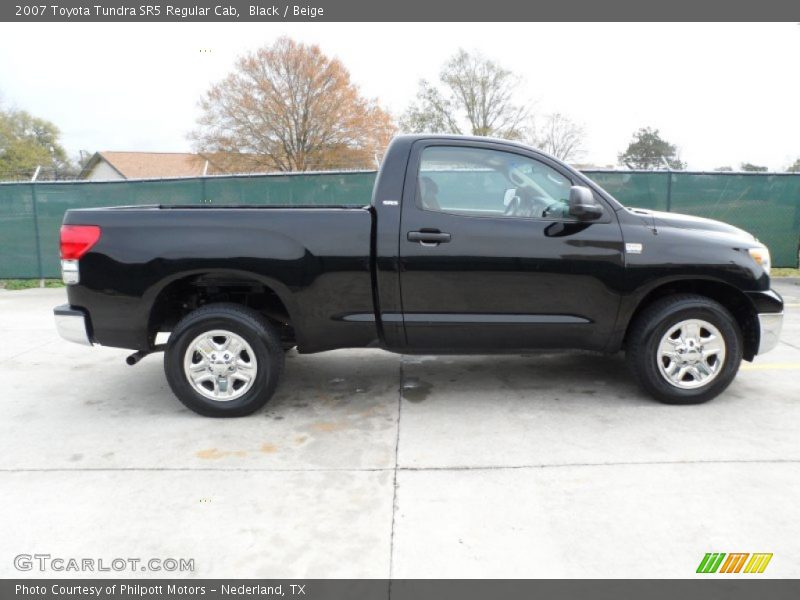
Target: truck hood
678 221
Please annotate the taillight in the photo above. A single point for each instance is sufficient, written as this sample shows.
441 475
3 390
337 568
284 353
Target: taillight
76 240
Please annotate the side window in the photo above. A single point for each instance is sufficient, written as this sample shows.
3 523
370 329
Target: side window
483 182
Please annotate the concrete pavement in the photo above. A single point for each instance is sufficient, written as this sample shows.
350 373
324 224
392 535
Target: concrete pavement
369 464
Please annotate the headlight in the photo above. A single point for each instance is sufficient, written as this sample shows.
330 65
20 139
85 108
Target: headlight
760 254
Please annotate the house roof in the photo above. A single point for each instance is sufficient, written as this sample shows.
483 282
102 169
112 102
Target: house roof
159 165
146 165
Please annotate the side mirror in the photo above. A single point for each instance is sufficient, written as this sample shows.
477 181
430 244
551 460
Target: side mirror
582 204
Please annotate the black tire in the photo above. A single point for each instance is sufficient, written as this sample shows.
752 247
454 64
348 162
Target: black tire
244 322
655 321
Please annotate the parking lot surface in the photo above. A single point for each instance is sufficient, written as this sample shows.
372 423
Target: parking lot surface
370 464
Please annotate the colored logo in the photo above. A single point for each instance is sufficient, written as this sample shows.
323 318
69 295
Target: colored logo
736 562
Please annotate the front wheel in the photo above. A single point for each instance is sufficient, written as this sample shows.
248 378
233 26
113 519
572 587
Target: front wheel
224 360
684 349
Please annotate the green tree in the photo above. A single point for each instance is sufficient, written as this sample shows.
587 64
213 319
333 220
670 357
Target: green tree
27 142
753 168
474 95
794 168
647 150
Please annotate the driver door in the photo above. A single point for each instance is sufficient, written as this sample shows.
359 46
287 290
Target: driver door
491 262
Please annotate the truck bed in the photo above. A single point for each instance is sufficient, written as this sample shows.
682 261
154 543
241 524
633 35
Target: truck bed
128 207
317 260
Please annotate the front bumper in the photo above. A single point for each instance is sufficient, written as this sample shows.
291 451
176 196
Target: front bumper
769 307
770 325
72 324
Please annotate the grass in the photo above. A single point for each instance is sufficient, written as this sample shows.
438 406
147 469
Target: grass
784 272
26 284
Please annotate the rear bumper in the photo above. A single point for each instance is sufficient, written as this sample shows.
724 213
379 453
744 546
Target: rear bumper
770 325
72 324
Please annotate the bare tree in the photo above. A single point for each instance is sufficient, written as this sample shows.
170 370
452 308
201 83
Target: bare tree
288 107
560 136
474 95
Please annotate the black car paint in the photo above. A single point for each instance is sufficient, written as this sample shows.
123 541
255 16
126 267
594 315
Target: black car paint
350 277
503 283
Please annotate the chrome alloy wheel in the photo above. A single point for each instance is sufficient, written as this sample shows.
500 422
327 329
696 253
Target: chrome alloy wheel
220 365
691 354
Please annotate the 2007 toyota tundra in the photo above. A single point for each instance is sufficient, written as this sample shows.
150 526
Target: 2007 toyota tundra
469 245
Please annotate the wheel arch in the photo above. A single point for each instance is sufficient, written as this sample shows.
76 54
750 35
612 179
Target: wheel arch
729 296
182 292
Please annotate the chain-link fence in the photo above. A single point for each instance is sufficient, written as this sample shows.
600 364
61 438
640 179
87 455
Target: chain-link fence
767 205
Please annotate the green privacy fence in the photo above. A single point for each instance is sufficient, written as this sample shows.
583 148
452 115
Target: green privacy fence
767 205
31 213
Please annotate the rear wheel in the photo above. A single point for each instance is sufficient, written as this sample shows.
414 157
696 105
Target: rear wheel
684 349
224 360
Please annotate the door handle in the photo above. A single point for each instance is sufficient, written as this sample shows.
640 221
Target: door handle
428 238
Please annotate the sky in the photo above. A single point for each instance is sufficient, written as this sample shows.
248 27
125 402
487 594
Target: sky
723 93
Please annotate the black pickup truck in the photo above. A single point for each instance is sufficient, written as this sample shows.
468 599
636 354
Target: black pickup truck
470 245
